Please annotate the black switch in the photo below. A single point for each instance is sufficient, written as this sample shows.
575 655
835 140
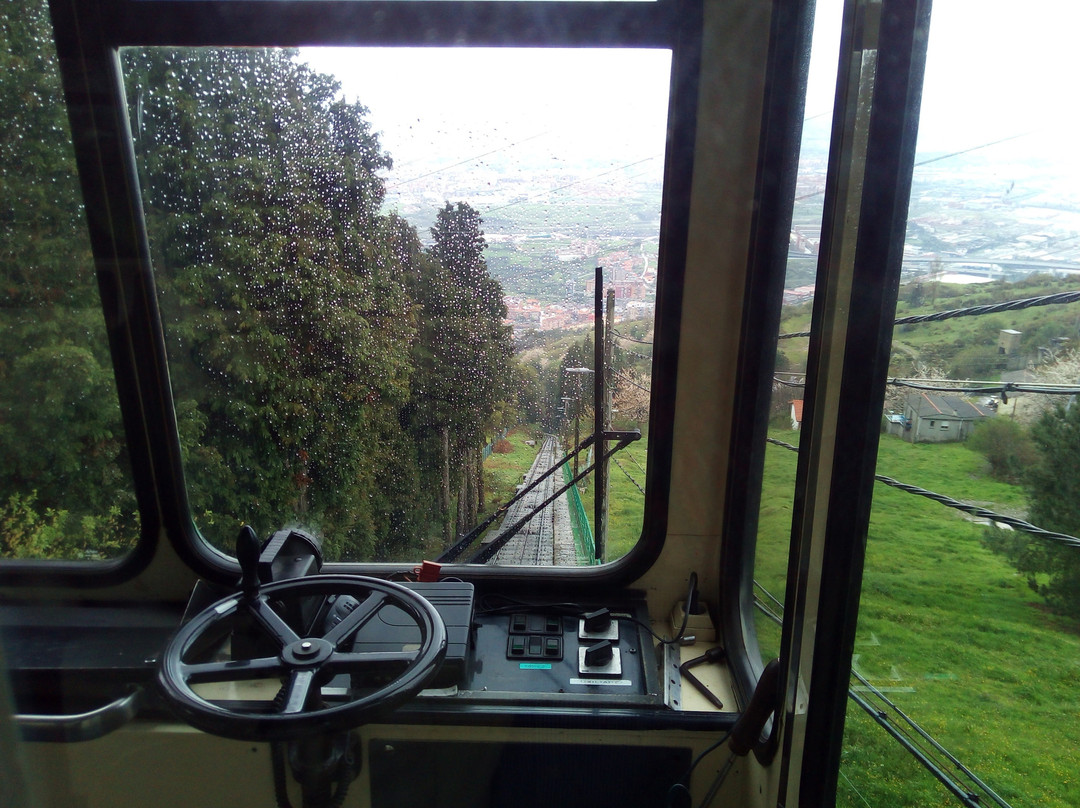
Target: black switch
597 621
551 647
599 654
518 624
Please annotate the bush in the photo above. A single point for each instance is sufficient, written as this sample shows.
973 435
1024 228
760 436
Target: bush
1007 446
502 446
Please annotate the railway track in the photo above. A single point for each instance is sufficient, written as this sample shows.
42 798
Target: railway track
546 539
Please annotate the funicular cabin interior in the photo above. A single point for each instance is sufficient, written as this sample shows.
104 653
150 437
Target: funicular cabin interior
201 667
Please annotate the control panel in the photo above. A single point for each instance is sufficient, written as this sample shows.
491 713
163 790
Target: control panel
560 649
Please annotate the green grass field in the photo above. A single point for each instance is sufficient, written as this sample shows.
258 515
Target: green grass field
951 631
626 503
503 472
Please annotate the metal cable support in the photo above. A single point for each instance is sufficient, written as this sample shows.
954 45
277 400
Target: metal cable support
630 339
627 473
982 513
926 736
974 510
974 311
966 797
787 383
939 385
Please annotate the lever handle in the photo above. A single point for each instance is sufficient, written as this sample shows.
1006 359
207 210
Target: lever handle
248 549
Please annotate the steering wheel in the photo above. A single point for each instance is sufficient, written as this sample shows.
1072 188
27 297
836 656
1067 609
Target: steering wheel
378 680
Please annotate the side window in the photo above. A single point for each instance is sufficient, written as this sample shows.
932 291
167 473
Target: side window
65 490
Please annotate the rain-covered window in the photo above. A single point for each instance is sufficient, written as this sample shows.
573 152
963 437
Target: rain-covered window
65 491
377 274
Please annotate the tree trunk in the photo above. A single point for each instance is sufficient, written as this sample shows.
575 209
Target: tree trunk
463 499
444 494
479 481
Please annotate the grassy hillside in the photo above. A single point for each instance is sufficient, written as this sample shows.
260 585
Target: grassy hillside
503 472
952 632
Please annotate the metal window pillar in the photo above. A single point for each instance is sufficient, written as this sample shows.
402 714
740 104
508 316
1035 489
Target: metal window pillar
879 85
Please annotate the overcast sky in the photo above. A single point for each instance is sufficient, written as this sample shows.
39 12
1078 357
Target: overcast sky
996 68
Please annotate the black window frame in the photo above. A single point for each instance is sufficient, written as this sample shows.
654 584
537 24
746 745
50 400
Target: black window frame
89 36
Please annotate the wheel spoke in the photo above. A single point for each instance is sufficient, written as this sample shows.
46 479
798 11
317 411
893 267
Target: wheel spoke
369 662
297 691
271 622
356 619
234 670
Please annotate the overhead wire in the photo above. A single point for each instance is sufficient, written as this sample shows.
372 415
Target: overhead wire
930 160
628 380
536 196
964 386
632 353
627 473
464 162
620 335
974 311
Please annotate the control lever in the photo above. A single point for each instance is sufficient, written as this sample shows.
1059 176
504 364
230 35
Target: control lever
248 548
599 654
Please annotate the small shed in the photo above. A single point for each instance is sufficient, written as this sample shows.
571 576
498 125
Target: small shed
936 418
796 414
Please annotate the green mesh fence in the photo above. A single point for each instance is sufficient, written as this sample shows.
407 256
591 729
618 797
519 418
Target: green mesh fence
584 546
491 446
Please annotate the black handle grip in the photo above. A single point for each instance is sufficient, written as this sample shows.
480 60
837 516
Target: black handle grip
248 548
747 730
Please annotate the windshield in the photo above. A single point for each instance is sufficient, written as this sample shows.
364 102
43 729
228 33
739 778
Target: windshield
377 275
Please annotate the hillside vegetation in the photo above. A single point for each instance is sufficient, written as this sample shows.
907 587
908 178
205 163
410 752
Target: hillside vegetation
951 631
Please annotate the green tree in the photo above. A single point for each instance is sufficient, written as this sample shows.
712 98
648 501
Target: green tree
465 357
1053 485
286 306
1007 446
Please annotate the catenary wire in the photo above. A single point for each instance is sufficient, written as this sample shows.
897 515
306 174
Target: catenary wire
919 743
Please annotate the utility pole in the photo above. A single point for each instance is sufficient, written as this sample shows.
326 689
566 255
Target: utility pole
603 395
599 421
